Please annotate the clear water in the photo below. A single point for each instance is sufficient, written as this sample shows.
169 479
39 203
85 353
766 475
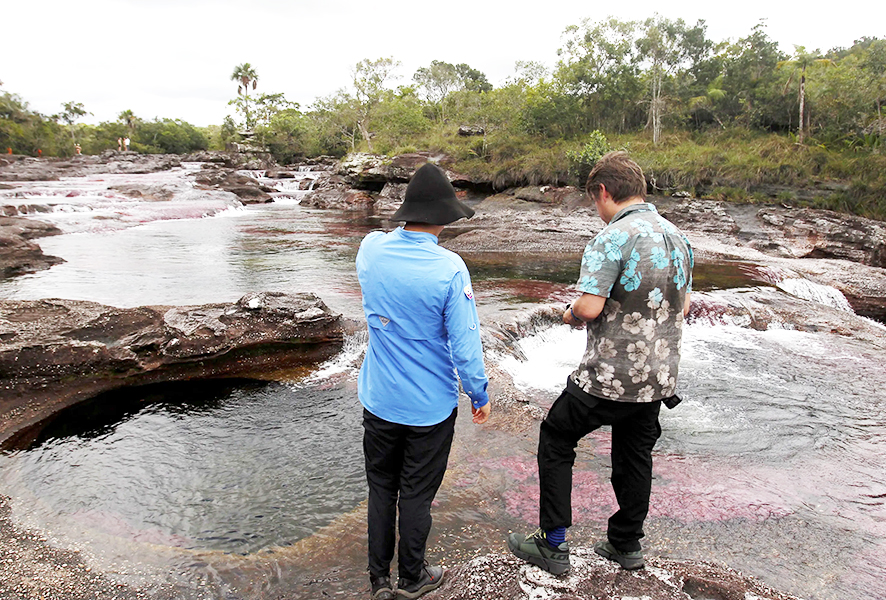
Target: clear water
773 464
219 466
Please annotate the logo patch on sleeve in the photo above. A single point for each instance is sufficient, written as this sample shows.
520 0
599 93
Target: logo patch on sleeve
384 321
469 292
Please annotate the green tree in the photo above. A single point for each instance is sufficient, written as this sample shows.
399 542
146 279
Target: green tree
130 121
245 76
709 101
750 80
287 135
401 120
170 136
798 64
25 131
873 66
437 81
369 80
333 123
472 79
72 112
598 67
666 46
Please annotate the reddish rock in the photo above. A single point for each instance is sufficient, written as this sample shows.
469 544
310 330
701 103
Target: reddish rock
54 353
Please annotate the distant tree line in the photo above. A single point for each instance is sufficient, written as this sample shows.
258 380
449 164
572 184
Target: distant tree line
618 77
25 131
656 77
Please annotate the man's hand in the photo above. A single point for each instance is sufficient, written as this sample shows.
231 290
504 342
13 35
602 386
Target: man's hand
570 319
587 308
482 413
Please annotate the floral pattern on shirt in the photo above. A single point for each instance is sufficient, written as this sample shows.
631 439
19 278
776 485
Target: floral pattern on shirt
642 265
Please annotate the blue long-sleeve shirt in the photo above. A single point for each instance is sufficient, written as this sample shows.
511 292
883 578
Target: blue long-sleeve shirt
424 333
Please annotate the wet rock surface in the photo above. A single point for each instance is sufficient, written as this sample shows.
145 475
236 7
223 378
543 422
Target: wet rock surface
54 353
591 577
18 254
24 168
246 188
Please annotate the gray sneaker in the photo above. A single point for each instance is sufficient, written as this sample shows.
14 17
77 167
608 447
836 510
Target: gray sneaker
628 560
429 579
381 588
535 549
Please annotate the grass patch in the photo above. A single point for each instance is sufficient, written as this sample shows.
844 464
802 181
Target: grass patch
736 165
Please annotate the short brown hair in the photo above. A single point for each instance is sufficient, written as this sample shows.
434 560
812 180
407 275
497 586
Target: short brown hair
622 177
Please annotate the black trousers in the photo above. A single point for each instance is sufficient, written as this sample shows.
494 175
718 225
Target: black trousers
635 429
404 468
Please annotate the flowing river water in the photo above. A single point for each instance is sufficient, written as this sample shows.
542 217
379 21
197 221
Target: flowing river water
773 464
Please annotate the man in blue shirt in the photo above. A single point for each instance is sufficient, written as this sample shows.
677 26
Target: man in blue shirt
424 335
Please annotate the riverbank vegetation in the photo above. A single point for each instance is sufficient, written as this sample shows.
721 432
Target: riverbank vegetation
738 119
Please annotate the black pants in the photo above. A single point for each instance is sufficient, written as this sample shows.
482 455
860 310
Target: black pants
404 467
635 429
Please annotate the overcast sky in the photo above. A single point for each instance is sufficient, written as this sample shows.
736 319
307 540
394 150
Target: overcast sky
174 58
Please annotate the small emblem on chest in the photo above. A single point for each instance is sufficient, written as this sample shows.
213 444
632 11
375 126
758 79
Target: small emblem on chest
384 321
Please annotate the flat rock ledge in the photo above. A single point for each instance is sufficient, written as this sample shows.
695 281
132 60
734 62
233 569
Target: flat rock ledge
55 353
18 254
504 577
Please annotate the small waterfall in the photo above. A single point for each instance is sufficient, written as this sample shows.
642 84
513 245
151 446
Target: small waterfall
816 292
799 286
253 173
345 362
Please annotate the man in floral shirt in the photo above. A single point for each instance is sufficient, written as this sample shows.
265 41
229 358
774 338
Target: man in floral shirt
636 278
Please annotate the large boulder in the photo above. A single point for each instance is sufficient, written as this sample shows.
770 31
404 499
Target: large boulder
246 188
54 353
373 171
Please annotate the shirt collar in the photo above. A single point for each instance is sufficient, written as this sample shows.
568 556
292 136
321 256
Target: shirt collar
418 237
640 207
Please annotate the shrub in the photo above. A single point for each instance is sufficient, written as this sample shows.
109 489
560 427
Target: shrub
583 160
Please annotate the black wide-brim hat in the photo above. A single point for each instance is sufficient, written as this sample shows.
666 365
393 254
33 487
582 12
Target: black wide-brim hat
430 198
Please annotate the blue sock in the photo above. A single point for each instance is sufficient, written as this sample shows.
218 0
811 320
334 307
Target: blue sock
555 536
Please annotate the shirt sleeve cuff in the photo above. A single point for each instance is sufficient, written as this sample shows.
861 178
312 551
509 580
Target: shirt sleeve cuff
480 400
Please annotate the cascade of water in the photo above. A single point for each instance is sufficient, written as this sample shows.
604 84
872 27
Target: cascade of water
345 362
816 292
799 286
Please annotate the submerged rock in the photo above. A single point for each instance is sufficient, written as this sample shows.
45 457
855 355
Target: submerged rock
54 353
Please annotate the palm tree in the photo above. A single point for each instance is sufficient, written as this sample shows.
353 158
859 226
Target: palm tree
799 62
128 118
245 75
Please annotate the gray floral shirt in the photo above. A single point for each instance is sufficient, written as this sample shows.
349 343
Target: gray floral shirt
642 265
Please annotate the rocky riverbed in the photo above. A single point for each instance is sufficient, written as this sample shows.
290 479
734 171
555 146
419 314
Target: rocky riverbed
46 345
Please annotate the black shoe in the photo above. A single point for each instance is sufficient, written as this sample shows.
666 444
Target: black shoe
628 560
381 588
430 579
535 549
